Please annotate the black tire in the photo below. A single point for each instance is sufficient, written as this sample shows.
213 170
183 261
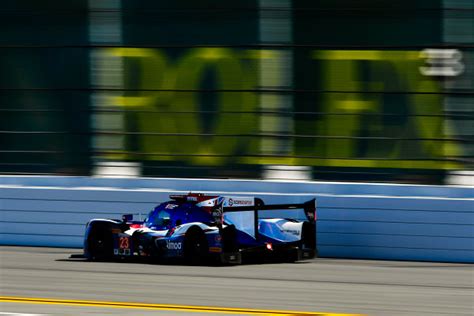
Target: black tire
229 239
196 249
100 242
291 256
308 236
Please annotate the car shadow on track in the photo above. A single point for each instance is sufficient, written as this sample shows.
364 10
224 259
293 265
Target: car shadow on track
80 258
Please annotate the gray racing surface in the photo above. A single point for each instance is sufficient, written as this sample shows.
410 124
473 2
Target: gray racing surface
320 285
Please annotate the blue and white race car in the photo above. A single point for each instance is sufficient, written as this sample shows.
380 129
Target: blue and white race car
202 228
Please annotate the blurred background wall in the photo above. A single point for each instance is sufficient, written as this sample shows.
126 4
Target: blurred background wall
327 90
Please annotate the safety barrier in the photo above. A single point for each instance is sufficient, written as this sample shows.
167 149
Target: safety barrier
371 221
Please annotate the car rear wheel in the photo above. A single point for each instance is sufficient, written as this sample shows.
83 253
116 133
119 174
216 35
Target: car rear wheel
229 239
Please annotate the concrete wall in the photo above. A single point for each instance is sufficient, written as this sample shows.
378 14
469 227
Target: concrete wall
396 222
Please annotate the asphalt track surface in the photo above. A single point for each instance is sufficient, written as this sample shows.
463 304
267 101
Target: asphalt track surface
320 285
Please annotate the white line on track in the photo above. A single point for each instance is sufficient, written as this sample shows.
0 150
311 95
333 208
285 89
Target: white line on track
20 314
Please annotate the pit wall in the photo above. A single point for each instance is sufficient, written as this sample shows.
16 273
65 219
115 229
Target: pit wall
367 221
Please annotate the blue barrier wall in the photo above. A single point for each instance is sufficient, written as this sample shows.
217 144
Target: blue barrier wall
396 222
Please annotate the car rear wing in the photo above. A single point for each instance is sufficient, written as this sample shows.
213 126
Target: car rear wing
309 207
240 204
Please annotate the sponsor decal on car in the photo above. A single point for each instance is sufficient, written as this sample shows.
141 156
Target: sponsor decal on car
291 231
243 201
171 245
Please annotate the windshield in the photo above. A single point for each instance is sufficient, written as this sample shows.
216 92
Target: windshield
171 214
159 220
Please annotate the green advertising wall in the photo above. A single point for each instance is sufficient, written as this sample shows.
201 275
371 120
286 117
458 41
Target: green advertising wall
202 89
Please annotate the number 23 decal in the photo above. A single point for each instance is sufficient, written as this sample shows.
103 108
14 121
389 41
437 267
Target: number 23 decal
124 243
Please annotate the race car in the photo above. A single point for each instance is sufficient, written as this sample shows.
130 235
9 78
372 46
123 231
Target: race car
199 228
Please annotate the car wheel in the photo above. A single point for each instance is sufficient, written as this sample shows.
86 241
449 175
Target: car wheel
229 239
291 256
100 243
196 249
